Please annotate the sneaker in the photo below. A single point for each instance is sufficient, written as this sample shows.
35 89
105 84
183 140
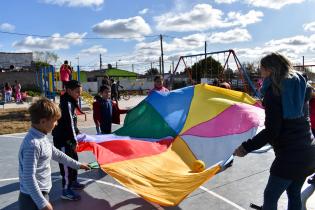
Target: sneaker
77 186
311 180
68 194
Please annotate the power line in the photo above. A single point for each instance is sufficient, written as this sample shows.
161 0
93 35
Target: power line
85 38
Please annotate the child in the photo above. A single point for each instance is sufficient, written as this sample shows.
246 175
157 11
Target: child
106 111
65 138
65 73
158 84
96 111
35 154
17 88
7 92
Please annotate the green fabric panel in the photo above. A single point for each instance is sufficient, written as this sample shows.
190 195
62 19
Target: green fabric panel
144 122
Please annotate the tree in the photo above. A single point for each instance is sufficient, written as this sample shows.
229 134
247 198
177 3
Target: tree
45 57
250 67
152 71
214 69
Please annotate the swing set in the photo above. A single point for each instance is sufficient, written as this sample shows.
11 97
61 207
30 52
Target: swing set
246 82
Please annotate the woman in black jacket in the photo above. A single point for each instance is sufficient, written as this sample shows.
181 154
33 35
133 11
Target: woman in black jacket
286 129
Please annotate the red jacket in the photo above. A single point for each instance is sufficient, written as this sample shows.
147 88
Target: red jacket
65 73
115 114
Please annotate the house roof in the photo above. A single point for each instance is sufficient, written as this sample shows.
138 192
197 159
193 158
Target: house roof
120 73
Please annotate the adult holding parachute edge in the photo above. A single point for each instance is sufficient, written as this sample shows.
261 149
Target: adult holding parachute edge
286 129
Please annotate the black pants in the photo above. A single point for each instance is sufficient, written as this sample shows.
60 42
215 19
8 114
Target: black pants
68 174
26 202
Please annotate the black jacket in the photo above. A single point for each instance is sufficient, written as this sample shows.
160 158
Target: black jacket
292 141
66 130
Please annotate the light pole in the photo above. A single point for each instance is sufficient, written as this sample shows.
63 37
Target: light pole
117 62
78 58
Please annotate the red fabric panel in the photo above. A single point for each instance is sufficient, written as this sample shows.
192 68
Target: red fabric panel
120 150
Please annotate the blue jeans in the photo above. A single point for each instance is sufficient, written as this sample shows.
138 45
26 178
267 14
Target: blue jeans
274 189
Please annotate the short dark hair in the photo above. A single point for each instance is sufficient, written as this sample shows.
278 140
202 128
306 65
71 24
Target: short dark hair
97 97
73 84
103 88
44 109
158 77
65 62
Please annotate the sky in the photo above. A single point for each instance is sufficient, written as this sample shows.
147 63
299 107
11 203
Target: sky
128 32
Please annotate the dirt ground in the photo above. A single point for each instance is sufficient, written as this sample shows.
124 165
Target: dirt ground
14 120
17 120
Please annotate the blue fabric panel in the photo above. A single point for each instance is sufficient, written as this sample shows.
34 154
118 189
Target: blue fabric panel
172 106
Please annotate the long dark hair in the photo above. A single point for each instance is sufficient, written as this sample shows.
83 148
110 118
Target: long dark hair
281 68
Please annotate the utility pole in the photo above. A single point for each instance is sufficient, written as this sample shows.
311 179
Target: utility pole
160 65
206 66
132 66
162 54
116 63
100 62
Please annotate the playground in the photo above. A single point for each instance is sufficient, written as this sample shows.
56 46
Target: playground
236 188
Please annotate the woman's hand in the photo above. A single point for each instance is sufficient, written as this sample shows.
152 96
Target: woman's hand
240 151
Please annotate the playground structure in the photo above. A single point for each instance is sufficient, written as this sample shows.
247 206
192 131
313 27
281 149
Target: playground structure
246 81
48 79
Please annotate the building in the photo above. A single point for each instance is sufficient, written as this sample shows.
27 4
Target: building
16 61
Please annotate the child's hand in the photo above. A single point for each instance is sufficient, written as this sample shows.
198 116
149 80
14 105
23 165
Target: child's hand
48 207
85 167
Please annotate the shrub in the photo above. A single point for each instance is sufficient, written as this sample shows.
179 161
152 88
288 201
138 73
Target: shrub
32 93
31 88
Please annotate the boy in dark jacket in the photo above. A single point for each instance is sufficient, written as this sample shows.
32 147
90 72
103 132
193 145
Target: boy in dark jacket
64 137
106 111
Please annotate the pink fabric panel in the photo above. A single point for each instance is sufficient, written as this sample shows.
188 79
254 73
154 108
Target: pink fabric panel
236 119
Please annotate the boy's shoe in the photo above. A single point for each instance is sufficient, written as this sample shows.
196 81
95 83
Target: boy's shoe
77 186
68 194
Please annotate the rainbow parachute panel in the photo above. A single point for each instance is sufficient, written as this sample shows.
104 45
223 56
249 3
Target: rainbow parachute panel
155 153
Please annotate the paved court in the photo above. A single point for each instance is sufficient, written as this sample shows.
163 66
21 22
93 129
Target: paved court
235 188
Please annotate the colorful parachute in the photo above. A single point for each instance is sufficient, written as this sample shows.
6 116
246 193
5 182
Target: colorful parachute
156 152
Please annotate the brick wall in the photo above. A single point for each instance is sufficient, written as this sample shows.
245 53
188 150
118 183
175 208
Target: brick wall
25 78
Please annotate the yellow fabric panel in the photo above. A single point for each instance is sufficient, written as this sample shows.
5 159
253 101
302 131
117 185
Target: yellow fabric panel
209 101
165 179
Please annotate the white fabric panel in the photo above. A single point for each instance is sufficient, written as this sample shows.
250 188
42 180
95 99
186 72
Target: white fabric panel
215 150
112 137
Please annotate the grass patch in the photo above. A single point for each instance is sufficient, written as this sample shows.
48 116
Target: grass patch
14 121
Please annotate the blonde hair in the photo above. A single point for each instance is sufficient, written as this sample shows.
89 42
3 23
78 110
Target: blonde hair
280 67
44 108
